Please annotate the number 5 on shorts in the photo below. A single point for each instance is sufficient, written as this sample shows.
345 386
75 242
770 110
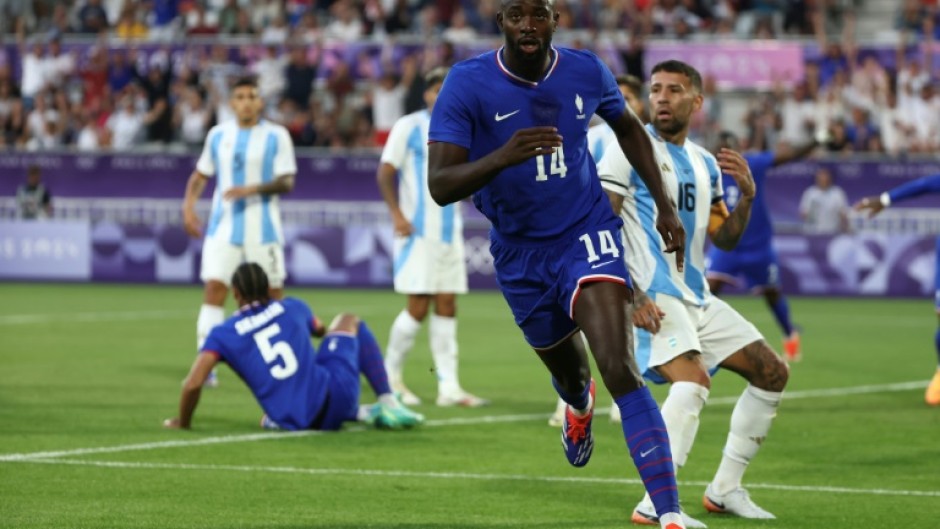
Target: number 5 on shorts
607 245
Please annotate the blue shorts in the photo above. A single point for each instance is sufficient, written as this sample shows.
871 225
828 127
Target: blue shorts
541 284
758 268
339 355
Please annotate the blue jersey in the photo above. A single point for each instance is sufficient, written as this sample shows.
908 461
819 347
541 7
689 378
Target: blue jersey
269 347
548 197
758 236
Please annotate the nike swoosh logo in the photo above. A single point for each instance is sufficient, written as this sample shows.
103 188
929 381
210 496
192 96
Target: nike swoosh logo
504 116
605 263
648 452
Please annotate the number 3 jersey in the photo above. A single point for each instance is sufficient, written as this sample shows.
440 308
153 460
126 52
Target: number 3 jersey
269 347
544 198
693 180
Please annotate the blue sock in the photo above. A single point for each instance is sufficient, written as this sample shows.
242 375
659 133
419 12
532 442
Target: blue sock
579 402
371 363
648 443
781 310
936 343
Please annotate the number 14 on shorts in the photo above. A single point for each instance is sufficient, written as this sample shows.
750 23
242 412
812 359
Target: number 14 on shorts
605 241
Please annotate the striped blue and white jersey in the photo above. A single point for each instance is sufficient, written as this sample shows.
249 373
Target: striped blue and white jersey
407 151
239 157
693 180
600 138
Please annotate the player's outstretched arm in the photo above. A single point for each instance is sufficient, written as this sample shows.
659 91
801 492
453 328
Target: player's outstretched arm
790 154
638 149
914 188
194 188
192 389
452 177
726 233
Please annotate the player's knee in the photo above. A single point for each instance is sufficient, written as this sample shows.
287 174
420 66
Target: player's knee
445 305
345 322
775 373
214 293
687 367
418 306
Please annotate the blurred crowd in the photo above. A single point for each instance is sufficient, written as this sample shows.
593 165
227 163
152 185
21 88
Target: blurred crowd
149 79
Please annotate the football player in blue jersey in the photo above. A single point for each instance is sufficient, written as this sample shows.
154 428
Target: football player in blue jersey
267 343
684 332
754 257
874 205
510 128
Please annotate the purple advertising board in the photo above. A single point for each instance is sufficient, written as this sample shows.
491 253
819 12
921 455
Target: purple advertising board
355 256
45 250
361 256
734 64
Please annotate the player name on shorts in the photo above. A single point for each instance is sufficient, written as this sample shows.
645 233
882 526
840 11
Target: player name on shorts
253 321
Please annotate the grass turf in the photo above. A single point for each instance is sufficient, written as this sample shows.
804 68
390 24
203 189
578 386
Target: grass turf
91 366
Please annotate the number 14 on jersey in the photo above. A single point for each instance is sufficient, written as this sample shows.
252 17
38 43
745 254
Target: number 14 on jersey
556 165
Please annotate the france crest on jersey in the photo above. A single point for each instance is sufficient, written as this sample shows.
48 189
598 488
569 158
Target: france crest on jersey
545 198
239 157
269 347
693 180
407 151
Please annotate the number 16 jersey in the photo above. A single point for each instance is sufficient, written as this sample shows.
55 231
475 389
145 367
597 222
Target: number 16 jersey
545 198
693 181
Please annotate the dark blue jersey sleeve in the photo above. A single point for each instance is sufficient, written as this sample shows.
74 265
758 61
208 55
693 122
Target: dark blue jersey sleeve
214 342
451 118
760 162
921 186
612 105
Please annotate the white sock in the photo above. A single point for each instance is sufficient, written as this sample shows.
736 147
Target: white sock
680 411
400 340
389 400
750 422
443 334
209 317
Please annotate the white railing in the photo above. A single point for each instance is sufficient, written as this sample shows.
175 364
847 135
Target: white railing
157 211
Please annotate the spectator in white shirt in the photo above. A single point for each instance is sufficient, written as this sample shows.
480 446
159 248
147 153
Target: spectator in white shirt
896 130
125 125
798 116
824 207
34 75
346 26
388 98
270 71
57 66
459 31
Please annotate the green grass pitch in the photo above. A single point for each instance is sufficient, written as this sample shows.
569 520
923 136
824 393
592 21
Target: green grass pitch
88 372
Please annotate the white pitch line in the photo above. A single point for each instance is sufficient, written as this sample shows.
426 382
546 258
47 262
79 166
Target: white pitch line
88 317
456 421
836 392
465 476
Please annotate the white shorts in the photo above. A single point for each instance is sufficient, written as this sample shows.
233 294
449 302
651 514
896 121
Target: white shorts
425 266
221 258
716 330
